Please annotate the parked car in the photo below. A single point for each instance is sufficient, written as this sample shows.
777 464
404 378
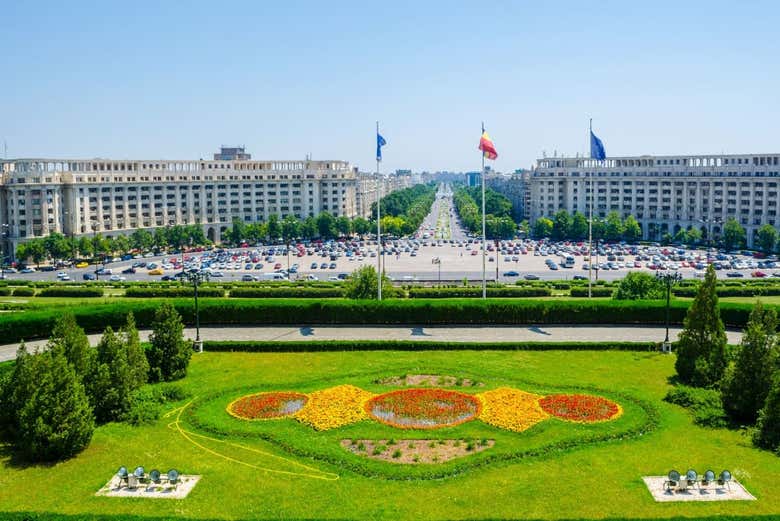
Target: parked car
128 270
247 278
735 274
82 265
88 276
758 274
531 276
511 273
116 278
158 271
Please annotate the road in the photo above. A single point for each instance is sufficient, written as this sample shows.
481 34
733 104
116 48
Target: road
551 333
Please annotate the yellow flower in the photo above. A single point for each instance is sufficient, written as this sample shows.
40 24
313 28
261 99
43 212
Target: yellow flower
334 407
511 409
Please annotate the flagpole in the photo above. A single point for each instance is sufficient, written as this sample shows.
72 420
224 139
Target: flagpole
484 236
590 222
378 226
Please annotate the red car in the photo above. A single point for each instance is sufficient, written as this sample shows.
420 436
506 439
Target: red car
758 274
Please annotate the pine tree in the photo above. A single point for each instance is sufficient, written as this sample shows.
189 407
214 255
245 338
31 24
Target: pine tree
747 383
767 434
56 421
701 349
72 342
16 390
111 383
136 357
169 353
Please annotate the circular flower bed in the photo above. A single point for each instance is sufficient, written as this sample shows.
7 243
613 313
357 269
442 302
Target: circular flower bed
267 406
423 408
580 407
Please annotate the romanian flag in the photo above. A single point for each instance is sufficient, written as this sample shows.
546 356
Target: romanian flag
486 146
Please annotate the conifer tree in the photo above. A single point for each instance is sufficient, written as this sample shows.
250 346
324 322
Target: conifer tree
701 349
747 383
169 354
136 357
111 384
767 434
69 338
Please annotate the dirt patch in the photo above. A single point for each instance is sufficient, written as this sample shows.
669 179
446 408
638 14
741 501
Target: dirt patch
425 380
416 451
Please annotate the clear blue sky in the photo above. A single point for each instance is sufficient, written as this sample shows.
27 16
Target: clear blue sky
175 80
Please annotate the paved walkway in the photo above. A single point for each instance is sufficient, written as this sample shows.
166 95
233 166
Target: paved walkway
556 333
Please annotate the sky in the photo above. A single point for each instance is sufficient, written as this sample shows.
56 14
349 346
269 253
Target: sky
174 80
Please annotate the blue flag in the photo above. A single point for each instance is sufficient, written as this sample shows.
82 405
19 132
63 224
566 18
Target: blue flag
596 148
380 142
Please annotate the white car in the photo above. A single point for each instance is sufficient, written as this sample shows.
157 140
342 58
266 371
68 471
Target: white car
65 278
116 278
61 274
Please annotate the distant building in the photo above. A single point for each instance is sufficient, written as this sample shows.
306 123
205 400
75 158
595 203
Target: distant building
515 188
232 154
473 179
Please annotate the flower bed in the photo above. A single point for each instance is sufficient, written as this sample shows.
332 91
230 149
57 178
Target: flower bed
334 407
511 409
581 408
423 408
267 406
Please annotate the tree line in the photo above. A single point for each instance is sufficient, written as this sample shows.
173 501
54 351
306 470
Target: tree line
565 226
498 209
51 401
324 226
403 211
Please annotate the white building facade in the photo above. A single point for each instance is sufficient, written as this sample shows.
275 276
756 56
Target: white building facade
111 197
664 193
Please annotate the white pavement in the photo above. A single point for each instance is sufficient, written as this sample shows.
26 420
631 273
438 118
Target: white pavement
542 333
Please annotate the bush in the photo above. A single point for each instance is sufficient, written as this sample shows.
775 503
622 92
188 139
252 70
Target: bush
71 291
741 290
24 292
363 284
476 292
303 346
5 292
287 292
767 434
147 403
705 404
596 291
638 285
173 292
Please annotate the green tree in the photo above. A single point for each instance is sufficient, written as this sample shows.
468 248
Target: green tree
111 384
68 338
56 420
562 223
169 353
326 225
543 227
613 227
136 356
15 392
766 238
701 349
274 227
733 234
160 238
579 227
361 226
237 232
524 228
141 240
362 284
343 226
632 232
121 244
638 285
747 383
693 236
309 228
767 433
85 247
291 228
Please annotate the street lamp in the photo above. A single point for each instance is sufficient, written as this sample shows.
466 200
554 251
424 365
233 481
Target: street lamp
3 252
437 260
669 279
95 226
196 277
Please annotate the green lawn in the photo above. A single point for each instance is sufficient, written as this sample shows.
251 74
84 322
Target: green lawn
533 478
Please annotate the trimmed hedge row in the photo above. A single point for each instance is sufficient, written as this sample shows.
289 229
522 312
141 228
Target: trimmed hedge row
173 292
71 291
304 346
34 323
596 291
731 291
4 291
474 291
287 292
24 292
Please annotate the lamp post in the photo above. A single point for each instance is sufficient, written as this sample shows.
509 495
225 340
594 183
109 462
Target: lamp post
668 279
196 277
94 225
3 252
437 260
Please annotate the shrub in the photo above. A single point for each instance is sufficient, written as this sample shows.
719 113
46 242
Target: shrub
173 292
476 292
147 403
596 291
362 284
71 291
5 292
24 292
704 404
638 285
767 434
286 292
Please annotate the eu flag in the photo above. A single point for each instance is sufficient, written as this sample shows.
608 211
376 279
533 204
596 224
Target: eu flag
596 148
380 142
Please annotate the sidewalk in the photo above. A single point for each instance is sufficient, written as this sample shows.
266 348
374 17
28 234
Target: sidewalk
552 333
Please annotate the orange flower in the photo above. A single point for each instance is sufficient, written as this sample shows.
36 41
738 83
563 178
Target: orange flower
334 407
511 409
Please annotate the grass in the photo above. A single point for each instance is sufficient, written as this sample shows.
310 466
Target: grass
587 481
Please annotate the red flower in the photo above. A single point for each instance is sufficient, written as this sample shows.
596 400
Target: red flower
423 408
580 407
264 406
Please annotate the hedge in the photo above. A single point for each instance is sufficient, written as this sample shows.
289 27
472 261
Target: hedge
287 292
305 346
37 323
23 292
71 291
5 291
476 292
596 291
731 291
173 292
